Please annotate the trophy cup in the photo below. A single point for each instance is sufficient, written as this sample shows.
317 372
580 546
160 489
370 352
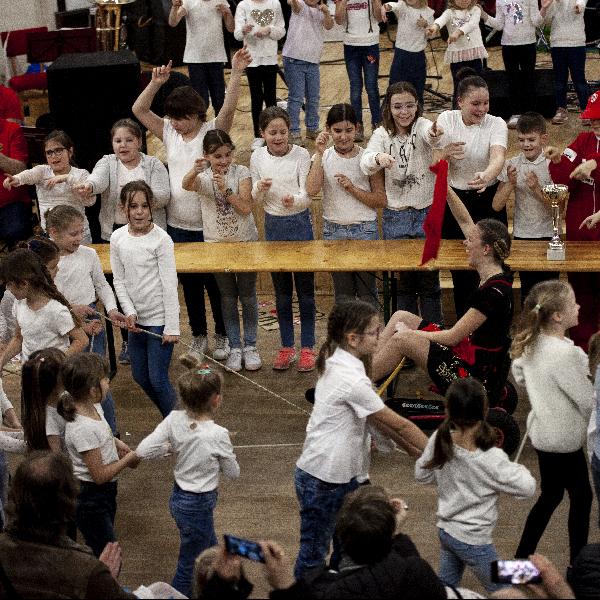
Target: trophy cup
556 195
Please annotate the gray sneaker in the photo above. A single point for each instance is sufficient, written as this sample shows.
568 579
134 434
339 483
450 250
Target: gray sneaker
252 361
199 344
221 351
234 360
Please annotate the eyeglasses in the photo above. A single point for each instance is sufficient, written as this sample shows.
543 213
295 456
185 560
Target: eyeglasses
408 106
55 151
374 332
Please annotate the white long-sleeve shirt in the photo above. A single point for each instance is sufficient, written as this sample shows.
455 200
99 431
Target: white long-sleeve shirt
266 13
410 36
203 451
80 279
567 28
289 175
468 46
517 20
468 488
555 374
145 277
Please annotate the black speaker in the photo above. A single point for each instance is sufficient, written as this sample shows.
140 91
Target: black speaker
497 82
87 93
545 98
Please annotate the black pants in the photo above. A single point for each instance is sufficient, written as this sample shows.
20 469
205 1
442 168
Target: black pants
530 278
262 82
479 207
519 63
560 472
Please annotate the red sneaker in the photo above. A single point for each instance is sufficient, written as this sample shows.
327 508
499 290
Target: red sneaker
284 359
307 360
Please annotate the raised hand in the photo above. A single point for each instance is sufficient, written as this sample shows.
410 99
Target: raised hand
240 60
511 171
385 160
552 153
160 75
322 141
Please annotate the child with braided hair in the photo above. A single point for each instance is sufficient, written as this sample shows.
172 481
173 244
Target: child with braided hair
44 319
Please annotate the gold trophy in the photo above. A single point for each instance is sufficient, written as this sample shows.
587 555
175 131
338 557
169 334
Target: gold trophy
556 194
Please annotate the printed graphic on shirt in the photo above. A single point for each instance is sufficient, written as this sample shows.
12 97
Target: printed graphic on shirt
227 225
515 11
262 17
402 151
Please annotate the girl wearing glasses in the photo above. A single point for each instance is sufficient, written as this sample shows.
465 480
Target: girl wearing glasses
56 181
402 147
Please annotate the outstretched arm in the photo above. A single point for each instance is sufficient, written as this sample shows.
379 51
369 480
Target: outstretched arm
460 212
241 59
141 107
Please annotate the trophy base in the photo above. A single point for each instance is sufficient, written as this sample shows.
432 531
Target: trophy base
555 253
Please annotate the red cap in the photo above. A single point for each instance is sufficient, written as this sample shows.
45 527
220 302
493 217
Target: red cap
592 110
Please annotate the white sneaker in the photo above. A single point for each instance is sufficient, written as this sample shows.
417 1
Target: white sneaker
199 344
221 351
512 122
257 143
252 361
234 360
282 104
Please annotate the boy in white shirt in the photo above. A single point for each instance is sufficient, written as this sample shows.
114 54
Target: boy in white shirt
525 175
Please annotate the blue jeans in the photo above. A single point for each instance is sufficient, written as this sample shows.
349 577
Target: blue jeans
359 60
95 514
243 286
193 285
193 514
573 60
304 85
293 228
150 360
456 555
411 67
15 222
416 289
348 286
319 502
97 345
209 78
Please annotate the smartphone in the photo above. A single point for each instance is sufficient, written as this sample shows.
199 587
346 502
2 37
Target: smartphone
245 548
516 572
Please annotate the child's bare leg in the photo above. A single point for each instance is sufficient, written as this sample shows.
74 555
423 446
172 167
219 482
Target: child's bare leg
400 316
405 343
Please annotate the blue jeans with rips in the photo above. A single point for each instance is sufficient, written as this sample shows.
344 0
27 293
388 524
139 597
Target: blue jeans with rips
193 514
293 228
319 502
150 360
416 289
348 286
363 60
455 555
95 514
304 86
242 286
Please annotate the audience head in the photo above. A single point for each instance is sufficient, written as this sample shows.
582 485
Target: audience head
400 108
85 377
59 149
473 96
137 201
42 497
186 109
126 138
218 150
46 250
548 303
274 125
366 525
200 387
466 409
492 237
351 324
40 383
203 570
66 226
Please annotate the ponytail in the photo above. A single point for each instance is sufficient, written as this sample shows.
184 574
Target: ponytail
443 447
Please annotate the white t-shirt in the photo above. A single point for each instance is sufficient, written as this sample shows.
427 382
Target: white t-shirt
125 176
478 139
339 206
362 28
47 327
203 450
7 317
83 434
204 32
183 210
336 432
410 36
305 25
5 403
80 279
221 221
289 175
55 424
533 217
145 277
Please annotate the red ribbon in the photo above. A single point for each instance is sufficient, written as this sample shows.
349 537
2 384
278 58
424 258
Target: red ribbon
433 222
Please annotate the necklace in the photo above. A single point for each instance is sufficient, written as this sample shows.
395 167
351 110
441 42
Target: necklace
344 153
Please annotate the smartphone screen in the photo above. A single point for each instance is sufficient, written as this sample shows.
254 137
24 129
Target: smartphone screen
246 548
516 572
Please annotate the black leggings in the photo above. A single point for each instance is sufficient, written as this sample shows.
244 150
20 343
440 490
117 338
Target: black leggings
262 82
560 472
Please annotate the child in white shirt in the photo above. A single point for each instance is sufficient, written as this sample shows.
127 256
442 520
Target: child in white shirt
142 257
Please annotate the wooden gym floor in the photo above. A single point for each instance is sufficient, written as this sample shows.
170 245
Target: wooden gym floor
268 432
